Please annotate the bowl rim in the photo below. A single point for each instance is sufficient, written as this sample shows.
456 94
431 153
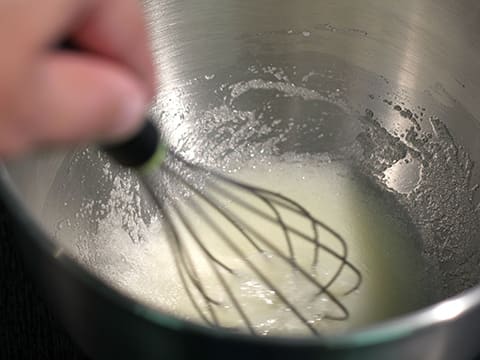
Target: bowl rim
395 329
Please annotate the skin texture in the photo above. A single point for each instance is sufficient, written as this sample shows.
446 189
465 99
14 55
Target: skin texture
53 97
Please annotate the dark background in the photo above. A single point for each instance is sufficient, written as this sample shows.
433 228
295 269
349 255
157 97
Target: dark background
27 329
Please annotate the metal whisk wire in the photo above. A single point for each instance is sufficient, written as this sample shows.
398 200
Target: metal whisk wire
272 198
226 188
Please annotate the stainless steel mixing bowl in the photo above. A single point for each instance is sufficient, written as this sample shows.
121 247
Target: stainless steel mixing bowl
391 85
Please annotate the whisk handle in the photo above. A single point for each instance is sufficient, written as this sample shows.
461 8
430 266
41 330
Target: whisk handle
143 148
137 151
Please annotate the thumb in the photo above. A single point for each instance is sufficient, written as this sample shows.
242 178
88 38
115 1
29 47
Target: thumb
82 98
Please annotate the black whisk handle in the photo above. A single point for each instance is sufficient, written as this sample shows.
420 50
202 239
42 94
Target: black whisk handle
139 149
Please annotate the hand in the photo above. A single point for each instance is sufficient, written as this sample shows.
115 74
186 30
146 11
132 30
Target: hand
54 96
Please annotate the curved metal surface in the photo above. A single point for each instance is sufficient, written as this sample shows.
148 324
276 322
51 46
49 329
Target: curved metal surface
424 50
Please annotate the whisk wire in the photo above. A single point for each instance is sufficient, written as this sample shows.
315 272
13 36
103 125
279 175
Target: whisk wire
274 202
212 262
228 215
180 264
341 257
282 225
315 222
245 258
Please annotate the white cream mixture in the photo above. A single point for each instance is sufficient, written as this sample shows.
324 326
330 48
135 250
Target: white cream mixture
378 244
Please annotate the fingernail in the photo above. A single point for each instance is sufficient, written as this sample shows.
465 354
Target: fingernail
130 115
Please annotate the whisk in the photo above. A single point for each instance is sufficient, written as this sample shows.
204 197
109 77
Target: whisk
206 192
